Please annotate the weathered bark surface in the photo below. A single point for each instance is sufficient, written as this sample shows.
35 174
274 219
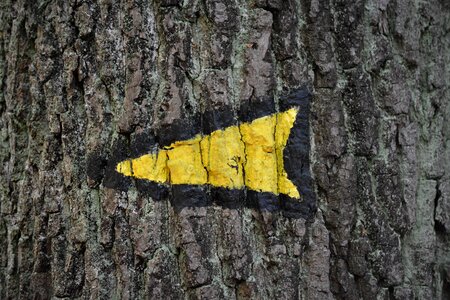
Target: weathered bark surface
80 77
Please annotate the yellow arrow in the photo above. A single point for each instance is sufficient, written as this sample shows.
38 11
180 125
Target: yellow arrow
249 155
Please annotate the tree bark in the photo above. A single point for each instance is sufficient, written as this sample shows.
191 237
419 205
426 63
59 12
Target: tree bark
85 81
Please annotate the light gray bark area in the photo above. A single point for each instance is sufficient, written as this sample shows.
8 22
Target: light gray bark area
79 77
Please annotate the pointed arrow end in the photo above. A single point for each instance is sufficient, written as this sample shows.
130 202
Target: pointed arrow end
124 168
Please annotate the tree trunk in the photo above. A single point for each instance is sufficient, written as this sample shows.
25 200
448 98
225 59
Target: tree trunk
86 84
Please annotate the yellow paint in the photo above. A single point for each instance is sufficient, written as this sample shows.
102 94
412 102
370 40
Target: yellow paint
261 165
149 166
250 155
124 167
185 162
224 156
284 125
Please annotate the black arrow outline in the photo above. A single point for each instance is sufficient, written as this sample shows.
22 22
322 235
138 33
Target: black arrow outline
295 155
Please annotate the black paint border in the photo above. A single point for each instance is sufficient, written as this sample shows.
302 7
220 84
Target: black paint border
295 155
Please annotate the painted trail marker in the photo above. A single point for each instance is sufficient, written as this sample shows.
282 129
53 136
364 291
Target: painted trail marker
249 155
256 157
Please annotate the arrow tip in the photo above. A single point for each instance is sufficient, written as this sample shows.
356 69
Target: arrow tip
124 168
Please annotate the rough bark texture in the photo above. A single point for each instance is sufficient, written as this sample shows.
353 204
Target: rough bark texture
79 78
